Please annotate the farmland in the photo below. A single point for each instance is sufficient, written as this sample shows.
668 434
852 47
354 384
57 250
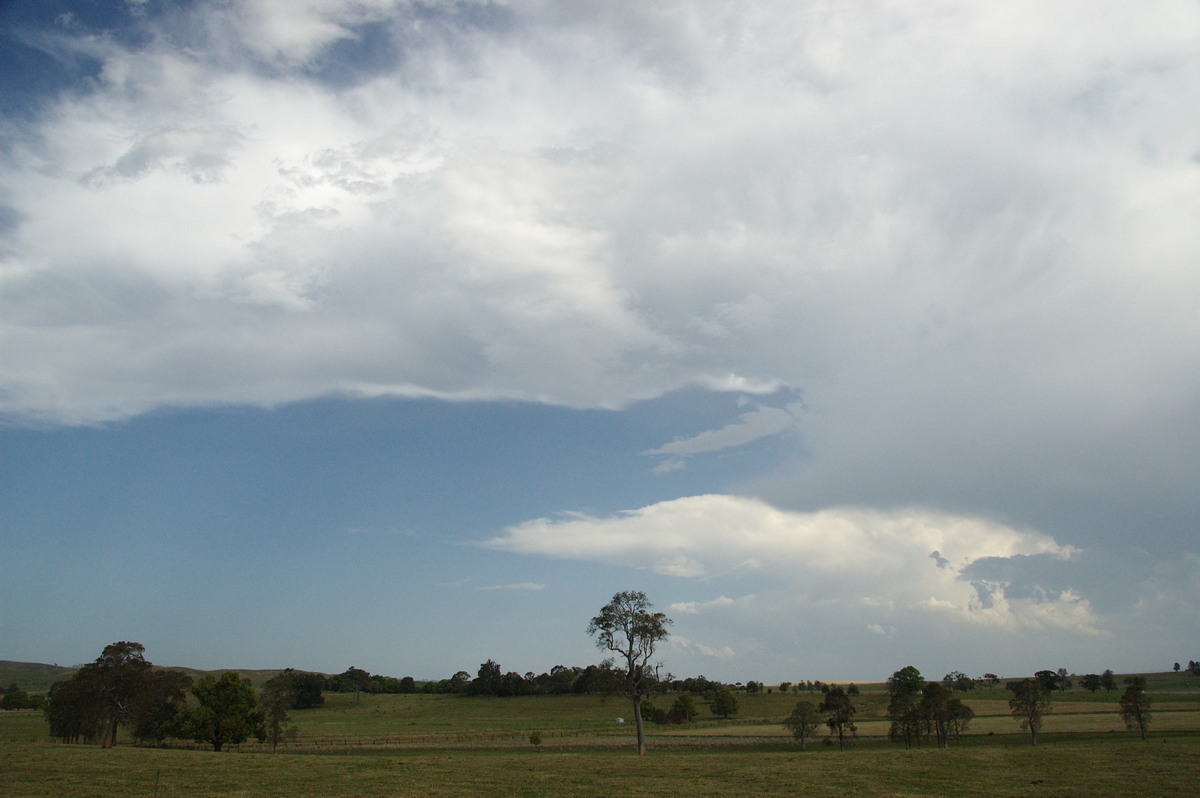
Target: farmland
424 744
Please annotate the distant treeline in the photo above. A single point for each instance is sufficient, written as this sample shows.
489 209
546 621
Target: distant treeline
493 681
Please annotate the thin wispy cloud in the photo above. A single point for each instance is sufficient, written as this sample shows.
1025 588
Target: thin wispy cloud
759 422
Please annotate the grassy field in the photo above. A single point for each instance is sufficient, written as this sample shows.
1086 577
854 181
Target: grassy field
453 745
1091 766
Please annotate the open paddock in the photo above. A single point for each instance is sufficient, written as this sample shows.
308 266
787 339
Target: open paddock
1095 765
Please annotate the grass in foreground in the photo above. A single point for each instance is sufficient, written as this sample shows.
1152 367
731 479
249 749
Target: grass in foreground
1095 766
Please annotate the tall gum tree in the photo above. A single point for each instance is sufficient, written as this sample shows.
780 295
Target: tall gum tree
120 674
627 627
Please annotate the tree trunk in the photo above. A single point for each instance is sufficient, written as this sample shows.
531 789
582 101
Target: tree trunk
641 728
110 730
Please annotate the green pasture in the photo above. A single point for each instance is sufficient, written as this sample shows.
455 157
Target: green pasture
1093 766
434 745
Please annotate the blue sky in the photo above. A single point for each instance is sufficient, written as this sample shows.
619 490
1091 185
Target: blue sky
403 335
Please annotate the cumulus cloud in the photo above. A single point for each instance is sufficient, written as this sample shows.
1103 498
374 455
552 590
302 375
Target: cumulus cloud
837 558
909 579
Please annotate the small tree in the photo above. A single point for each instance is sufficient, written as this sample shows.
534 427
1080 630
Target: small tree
75 710
1030 702
904 689
152 710
352 678
935 711
840 711
277 696
683 710
306 688
226 713
1135 706
14 700
535 739
960 716
803 721
1048 679
627 627
724 703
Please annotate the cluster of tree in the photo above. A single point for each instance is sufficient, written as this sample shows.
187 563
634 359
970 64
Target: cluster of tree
721 702
226 713
14 698
122 688
604 677
920 710
304 690
1054 680
1095 681
682 710
560 680
1193 667
1031 700
804 687
836 711
357 681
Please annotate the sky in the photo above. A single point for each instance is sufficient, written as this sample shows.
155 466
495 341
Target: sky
857 334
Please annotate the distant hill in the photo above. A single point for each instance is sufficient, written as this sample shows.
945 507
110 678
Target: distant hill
36 677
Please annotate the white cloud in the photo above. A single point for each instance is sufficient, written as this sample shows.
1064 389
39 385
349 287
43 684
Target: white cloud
682 643
522 586
841 559
201 155
826 584
597 205
966 232
694 607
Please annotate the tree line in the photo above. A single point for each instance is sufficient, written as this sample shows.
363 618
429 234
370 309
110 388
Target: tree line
122 689
923 711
